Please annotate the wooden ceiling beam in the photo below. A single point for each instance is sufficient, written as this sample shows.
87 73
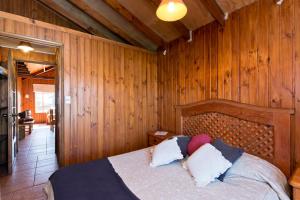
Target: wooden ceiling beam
106 15
22 68
177 24
23 74
23 71
135 21
214 9
74 14
42 71
36 77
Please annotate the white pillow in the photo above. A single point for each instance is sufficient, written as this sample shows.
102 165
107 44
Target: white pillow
166 152
206 164
255 168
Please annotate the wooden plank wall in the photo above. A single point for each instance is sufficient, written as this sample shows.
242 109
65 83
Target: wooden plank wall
29 103
254 59
37 11
113 89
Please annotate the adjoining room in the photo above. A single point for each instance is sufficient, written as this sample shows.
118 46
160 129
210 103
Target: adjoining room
36 125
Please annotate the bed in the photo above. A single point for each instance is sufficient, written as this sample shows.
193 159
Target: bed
264 133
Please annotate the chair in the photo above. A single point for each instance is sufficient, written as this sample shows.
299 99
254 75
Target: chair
26 122
52 119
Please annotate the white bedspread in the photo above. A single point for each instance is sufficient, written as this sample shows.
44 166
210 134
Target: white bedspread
173 182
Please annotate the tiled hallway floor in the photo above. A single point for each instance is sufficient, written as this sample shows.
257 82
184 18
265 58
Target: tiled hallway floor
35 162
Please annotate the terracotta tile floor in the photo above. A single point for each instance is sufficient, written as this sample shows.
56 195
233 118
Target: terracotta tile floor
35 162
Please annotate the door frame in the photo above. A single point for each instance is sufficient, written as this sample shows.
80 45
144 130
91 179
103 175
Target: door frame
12 122
59 85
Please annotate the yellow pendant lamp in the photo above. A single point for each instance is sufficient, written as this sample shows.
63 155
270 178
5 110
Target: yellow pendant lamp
171 10
25 47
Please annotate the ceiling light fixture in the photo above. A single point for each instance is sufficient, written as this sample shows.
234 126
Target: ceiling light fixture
25 47
171 10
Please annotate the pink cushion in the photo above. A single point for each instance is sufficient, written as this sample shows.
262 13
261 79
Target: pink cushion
197 141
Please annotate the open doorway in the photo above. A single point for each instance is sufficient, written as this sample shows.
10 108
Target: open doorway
35 96
29 125
36 108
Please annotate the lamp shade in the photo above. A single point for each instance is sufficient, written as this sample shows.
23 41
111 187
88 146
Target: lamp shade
171 10
25 47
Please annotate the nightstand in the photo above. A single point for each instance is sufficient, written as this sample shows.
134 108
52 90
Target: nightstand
295 183
156 139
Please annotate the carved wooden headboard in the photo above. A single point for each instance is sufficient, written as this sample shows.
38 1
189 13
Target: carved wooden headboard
264 132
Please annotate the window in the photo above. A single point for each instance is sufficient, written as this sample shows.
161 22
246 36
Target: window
44 101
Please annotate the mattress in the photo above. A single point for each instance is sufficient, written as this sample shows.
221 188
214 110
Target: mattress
174 182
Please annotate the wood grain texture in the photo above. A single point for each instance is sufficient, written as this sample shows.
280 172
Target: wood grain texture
145 12
33 57
253 59
36 11
295 183
107 16
79 17
297 81
258 130
135 21
198 15
295 179
214 9
232 5
139 13
113 89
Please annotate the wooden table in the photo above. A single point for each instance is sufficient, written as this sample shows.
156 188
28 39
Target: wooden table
156 139
25 128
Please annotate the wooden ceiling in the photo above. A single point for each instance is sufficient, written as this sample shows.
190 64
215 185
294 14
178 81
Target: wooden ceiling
134 21
35 70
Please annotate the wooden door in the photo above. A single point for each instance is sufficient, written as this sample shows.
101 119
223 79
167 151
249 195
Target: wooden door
12 112
57 101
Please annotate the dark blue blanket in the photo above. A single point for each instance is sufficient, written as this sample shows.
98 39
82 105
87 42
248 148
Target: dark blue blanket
96 180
